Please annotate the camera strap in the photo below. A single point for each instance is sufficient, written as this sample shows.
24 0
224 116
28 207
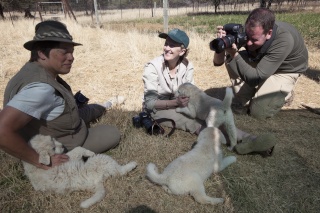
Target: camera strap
160 120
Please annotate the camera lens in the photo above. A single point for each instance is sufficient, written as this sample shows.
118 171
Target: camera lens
136 121
217 45
147 123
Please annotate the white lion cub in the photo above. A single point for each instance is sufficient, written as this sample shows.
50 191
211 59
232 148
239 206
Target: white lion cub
187 173
213 111
74 174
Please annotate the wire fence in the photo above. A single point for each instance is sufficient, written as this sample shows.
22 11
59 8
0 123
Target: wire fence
107 10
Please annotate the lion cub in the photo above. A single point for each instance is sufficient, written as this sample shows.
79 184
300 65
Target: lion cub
187 173
211 110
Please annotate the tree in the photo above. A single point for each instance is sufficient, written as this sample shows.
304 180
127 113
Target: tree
263 3
1 11
216 4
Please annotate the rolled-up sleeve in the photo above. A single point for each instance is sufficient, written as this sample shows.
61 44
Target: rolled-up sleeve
150 80
38 100
189 73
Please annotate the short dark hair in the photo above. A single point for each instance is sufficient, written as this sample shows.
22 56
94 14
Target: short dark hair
261 17
43 46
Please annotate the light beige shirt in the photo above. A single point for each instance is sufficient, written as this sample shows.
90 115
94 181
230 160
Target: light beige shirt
157 82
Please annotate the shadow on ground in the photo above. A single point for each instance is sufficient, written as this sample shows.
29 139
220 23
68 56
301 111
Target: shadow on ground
313 74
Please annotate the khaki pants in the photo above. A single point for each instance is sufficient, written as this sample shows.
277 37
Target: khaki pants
98 139
266 99
101 137
182 122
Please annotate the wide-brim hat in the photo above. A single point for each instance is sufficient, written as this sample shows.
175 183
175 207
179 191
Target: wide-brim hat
50 31
177 35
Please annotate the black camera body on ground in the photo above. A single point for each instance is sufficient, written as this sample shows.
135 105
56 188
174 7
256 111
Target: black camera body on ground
234 34
145 120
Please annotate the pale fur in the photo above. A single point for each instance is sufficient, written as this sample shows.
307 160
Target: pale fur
187 173
75 174
213 111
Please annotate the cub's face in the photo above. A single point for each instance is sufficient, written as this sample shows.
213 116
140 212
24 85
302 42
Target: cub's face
179 93
188 90
42 143
58 147
184 90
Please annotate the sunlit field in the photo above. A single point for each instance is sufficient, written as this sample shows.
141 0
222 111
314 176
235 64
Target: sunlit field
111 63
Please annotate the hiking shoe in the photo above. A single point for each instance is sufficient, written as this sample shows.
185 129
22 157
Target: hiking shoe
114 101
263 144
118 100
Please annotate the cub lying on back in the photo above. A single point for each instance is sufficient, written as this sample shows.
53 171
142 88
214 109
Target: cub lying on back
187 173
74 174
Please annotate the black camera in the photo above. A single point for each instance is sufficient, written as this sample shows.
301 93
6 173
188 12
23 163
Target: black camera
234 34
81 99
145 120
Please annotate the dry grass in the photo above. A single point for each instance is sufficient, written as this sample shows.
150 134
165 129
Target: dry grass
111 63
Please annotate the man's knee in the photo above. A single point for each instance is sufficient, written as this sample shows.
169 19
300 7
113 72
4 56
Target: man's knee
114 135
91 112
101 138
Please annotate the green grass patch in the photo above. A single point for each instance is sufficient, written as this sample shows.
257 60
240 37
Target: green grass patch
306 23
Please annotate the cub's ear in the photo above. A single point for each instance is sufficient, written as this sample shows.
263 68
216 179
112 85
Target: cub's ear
44 158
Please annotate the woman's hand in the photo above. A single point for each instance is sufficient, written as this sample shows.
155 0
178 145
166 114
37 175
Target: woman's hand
182 101
59 159
56 160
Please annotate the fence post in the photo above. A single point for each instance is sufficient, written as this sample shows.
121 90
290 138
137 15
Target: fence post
165 16
96 12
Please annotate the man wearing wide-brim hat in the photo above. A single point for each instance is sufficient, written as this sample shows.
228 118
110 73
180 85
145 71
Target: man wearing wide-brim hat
38 101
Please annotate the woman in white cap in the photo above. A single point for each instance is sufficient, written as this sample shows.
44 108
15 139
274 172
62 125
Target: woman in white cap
163 75
38 101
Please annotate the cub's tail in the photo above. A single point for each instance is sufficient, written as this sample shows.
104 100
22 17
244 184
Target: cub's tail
227 98
154 176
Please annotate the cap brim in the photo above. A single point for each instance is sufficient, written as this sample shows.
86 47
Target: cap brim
30 44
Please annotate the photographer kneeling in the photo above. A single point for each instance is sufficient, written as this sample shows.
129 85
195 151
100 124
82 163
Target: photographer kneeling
263 75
